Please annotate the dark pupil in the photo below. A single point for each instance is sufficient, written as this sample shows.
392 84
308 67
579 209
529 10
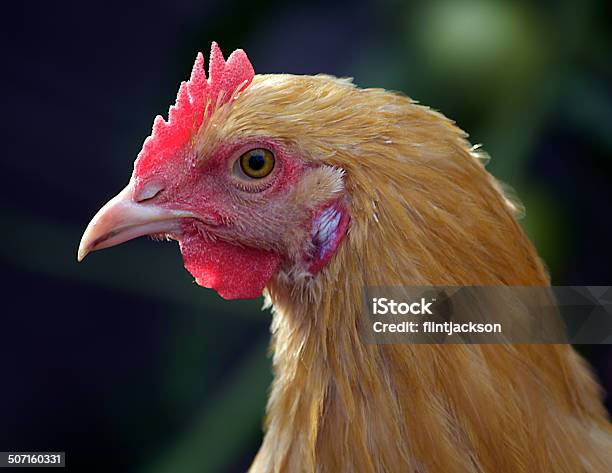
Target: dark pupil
257 161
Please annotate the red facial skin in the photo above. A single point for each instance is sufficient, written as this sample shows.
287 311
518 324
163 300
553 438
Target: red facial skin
237 242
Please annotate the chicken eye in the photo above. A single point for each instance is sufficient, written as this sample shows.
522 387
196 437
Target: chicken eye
257 163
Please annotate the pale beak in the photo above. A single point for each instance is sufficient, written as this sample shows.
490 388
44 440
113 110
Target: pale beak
123 219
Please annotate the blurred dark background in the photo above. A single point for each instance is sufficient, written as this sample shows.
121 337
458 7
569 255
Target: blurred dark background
123 362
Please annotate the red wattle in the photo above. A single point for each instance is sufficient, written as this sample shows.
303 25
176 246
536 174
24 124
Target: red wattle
234 272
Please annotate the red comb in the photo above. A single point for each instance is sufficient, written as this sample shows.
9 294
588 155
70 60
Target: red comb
195 102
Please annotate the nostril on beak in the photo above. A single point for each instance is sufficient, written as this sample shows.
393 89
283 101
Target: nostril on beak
148 191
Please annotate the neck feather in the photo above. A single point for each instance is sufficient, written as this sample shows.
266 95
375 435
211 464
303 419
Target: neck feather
338 404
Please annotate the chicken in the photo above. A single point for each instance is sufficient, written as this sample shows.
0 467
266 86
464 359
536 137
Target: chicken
308 189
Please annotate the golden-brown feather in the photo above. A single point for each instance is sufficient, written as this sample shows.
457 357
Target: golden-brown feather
424 211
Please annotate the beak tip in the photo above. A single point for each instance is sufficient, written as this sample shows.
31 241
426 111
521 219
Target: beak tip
84 247
81 254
